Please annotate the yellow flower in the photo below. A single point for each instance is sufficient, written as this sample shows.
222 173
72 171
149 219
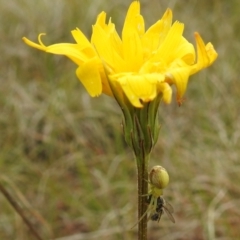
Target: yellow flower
140 65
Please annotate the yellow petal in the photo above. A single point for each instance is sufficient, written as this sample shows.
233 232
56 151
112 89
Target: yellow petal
179 73
101 20
39 46
185 51
106 89
166 91
212 54
133 19
133 30
88 74
206 54
203 59
115 39
81 39
133 54
171 43
79 53
83 43
70 50
156 33
166 25
105 49
110 32
138 88
74 51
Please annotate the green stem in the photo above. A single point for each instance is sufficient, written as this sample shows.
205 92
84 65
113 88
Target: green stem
142 168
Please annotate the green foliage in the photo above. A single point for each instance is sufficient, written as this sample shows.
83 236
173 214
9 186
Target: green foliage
62 153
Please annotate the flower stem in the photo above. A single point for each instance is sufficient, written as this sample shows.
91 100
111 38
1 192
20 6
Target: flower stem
142 168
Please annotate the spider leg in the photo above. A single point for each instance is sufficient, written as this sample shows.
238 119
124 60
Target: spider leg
141 218
152 205
154 202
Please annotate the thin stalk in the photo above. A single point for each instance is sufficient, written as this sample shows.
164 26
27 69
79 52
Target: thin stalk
15 205
142 192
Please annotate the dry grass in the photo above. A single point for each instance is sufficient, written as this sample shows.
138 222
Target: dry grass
66 163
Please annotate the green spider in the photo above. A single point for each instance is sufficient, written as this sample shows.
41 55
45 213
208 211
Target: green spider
158 180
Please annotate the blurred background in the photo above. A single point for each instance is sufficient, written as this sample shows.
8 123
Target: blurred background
62 154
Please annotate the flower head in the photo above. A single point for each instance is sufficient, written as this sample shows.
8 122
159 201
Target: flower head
140 64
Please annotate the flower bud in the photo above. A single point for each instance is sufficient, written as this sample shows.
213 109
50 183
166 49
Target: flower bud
158 177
